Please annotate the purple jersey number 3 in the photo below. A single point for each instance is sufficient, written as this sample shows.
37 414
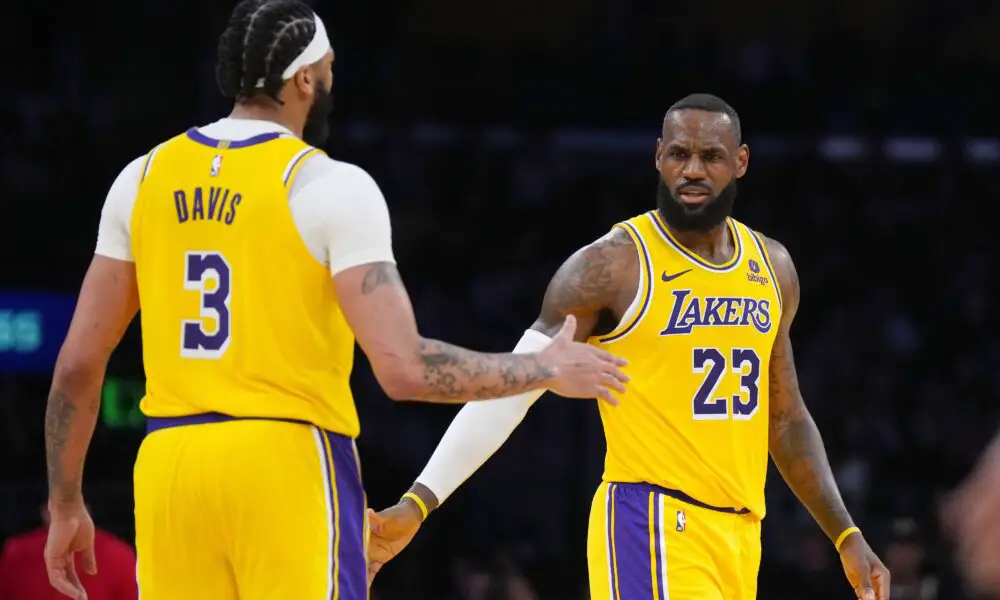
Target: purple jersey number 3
208 274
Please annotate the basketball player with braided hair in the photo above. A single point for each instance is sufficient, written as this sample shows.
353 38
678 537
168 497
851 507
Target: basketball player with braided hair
257 261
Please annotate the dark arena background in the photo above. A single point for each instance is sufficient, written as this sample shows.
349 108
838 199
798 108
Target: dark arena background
505 135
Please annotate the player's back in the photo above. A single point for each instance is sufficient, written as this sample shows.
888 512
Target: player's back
698 340
238 317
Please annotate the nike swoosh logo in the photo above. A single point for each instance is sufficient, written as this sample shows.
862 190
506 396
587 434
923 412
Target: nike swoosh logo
674 276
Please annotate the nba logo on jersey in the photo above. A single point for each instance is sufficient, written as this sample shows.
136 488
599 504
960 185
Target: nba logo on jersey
681 521
216 165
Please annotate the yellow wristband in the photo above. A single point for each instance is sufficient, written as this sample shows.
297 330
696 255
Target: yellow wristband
420 504
843 536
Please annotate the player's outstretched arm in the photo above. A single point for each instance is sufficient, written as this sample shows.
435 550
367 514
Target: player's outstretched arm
591 281
797 449
410 366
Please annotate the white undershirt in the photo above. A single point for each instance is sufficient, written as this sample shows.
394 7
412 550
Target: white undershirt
336 206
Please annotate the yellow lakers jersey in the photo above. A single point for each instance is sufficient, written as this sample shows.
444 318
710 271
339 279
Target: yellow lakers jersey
238 317
698 340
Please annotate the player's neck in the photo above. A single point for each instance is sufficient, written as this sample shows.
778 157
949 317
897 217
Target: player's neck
714 245
261 112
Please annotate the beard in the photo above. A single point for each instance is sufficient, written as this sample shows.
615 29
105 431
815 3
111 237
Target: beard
701 218
317 127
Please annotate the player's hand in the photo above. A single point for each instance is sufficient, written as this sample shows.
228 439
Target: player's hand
971 516
867 574
581 370
71 530
389 531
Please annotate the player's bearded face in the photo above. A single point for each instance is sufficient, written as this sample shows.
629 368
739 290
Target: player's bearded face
702 217
317 127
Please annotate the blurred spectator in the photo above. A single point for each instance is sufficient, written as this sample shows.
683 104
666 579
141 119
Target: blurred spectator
906 558
23 575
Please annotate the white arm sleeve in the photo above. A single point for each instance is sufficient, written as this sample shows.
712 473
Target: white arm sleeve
114 236
342 215
478 431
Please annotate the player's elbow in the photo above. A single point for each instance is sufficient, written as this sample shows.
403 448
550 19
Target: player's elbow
401 386
402 371
400 379
75 368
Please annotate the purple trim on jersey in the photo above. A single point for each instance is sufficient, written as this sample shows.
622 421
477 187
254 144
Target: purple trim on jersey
204 140
648 267
767 262
298 159
737 242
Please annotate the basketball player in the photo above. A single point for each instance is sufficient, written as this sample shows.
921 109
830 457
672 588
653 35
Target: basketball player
701 306
226 237
972 515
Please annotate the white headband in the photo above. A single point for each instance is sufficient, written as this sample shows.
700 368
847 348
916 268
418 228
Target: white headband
316 50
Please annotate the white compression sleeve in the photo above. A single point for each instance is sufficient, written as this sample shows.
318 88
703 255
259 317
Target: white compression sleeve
479 429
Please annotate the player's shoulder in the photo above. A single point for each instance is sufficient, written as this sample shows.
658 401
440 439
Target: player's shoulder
331 167
602 267
614 248
336 175
133 168
784 268
777 252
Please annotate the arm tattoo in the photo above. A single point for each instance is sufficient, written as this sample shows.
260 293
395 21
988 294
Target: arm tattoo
449 373
795 442
379 274
457 374
589 282
65 446
59 417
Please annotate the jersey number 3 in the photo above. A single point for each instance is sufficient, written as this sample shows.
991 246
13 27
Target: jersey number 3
208 274
746 365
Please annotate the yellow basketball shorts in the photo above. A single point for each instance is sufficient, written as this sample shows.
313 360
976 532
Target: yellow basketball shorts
645 544
248 509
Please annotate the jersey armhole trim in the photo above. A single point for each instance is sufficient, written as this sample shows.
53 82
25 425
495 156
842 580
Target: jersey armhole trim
762 249
147 163
296 163
644 291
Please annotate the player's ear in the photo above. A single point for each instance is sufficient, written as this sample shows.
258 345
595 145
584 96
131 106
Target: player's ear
742 160
658 154
302 85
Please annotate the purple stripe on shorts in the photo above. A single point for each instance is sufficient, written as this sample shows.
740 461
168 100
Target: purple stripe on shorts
352 570
632 543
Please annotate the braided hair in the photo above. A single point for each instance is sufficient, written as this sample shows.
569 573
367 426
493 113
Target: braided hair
261 39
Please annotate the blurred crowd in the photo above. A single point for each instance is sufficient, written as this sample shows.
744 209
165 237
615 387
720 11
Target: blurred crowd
895 336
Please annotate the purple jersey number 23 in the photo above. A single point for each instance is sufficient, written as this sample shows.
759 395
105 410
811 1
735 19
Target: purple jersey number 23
201 268
745 363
